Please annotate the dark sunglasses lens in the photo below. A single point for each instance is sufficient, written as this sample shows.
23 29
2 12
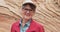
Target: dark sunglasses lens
28 9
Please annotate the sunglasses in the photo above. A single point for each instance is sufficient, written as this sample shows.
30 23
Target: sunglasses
26 9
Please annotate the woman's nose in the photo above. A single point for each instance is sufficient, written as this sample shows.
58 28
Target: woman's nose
27 12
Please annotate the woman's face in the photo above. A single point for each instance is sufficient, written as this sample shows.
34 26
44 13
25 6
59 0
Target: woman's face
27 12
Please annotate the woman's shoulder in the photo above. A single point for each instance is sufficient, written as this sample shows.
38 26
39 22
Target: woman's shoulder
15 23
36 23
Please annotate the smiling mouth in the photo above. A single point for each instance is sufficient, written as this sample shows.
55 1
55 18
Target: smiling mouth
27 15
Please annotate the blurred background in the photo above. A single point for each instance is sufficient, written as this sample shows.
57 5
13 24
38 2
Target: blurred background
47 13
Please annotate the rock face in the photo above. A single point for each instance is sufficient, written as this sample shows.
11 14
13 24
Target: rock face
47 13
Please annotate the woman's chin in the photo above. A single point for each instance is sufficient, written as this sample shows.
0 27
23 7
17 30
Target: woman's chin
27 17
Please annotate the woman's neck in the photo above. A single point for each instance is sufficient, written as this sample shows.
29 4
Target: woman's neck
24 21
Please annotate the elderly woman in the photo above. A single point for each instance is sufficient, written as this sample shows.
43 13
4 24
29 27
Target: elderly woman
26 23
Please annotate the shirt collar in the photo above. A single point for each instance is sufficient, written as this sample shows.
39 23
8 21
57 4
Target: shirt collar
27 24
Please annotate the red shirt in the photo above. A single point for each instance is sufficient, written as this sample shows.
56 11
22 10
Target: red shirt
34 27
